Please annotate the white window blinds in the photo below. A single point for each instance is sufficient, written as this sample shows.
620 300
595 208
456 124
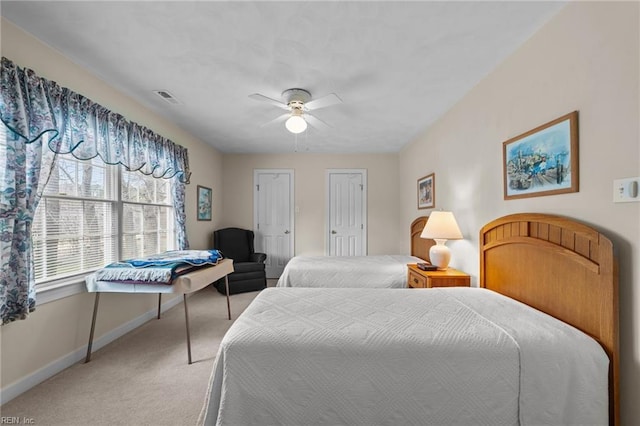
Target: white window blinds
93 214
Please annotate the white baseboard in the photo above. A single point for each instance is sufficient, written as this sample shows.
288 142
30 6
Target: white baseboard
17 388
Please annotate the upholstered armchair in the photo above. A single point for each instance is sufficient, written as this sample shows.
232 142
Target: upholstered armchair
249 273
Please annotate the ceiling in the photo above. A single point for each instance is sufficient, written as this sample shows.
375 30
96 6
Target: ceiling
397 66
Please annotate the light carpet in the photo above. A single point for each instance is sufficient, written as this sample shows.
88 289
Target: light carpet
142 378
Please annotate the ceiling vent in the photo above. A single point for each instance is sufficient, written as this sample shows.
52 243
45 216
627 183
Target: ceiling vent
168 97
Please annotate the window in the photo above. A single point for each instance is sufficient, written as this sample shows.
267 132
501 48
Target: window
92 214
147 215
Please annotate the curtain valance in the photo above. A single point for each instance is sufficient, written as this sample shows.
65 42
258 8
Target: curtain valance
34 107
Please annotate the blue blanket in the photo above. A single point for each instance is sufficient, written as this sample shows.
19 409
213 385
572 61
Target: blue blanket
160 268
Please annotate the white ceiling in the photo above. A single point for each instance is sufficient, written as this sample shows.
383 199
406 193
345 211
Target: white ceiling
397 66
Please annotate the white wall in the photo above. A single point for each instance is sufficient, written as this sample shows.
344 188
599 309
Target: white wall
382 196
586 59
59 328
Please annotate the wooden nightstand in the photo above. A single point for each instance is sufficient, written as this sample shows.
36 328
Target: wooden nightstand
417 278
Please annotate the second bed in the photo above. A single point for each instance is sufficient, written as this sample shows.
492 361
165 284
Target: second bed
380 271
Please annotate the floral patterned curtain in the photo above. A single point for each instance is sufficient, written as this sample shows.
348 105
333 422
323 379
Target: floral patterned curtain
85 129
40 113
24 171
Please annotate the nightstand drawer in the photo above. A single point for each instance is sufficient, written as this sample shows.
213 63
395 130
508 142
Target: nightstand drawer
448 282
417 280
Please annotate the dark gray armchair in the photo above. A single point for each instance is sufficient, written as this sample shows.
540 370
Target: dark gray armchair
249 273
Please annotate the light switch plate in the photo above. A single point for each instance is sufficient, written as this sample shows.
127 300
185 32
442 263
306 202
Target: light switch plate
626 190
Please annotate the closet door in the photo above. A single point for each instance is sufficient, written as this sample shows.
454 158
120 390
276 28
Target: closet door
346 212
273 218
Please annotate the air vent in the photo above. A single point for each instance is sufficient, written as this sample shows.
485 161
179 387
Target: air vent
168 97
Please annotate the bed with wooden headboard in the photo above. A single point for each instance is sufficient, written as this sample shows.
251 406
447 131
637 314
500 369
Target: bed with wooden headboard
561 267
442 355
376 271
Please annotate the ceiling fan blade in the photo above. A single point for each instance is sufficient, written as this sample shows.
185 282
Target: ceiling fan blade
316 122
323 102
262 98
277 120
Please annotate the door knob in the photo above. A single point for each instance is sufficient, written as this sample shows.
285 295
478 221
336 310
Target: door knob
333 232
286 232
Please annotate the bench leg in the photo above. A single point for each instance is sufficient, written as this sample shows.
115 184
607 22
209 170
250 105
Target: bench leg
186 317
93 327
159 303
226 286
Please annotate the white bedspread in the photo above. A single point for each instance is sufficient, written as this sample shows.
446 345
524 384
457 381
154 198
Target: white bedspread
442 356
380 271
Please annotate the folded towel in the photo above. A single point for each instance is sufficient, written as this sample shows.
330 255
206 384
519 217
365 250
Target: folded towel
159 268
192 257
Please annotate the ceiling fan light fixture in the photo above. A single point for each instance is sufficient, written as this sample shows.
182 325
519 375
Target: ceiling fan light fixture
296 124
299 102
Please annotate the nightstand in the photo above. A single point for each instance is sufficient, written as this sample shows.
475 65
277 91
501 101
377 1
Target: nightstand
417 278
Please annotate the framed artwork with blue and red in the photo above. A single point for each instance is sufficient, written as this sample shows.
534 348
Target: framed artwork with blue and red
427 192
542 161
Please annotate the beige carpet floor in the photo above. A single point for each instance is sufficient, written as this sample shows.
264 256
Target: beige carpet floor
142 378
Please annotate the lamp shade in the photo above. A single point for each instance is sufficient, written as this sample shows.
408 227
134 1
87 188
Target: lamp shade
296 124
443 226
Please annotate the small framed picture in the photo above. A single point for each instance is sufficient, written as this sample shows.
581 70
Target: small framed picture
205 197
543 161
427 192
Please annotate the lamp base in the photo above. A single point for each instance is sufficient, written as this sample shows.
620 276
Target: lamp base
440 255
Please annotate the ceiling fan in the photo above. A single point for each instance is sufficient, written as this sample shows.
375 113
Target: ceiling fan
298 103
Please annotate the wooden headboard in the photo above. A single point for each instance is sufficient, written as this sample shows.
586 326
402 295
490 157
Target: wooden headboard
561 267
420 246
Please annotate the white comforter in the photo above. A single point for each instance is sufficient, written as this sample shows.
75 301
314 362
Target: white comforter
347 271
443 356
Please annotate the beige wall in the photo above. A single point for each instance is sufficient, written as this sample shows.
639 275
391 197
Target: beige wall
309 169
58 328
585 59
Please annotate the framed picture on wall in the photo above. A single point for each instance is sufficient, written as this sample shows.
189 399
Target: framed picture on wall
205 197
543 161
427 192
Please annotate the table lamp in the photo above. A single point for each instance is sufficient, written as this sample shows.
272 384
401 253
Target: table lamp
441 226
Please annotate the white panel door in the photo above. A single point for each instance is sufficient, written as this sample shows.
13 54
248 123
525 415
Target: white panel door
347 212
273 218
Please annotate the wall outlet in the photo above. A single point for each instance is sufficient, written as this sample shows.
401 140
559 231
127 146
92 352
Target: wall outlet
626 190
